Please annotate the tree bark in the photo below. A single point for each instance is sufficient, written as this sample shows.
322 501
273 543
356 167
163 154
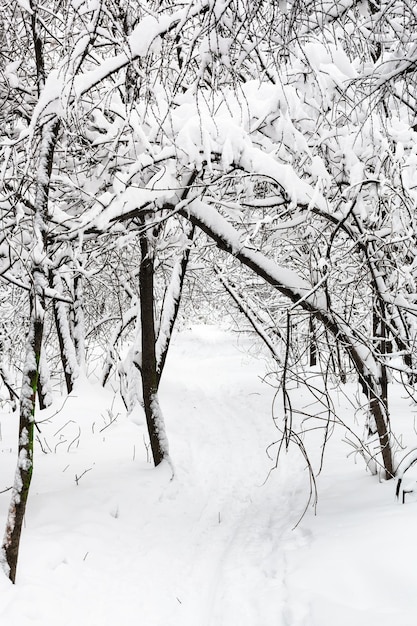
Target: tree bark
66 345
78 325
23 476
154 418
11 542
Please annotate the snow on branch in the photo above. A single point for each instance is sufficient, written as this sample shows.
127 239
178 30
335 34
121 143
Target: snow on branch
285 280
140 42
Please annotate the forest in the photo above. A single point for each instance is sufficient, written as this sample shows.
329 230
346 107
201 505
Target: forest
167 163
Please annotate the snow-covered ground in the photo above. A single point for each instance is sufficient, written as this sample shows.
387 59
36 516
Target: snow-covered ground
109 540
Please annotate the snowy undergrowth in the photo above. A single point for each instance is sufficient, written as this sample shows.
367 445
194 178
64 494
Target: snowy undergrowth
111 541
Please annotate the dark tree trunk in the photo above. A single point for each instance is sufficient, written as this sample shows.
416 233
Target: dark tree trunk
44 398
17 508
66 346
312 345
154 418
78 328
10 548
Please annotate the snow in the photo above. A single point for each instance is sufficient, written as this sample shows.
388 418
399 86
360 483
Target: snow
109 540
48 104
171 298
285 279
141 40
25 5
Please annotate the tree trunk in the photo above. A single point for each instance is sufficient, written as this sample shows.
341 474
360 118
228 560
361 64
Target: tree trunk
154 418
312 345
10 547
78 325
23 476
66 345
44 388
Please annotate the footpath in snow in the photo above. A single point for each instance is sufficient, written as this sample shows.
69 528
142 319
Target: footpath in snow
110 541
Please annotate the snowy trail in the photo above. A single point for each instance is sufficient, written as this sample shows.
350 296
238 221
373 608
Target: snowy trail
239 560
215 546
127 541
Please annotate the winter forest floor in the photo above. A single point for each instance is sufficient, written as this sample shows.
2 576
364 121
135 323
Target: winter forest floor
110 541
